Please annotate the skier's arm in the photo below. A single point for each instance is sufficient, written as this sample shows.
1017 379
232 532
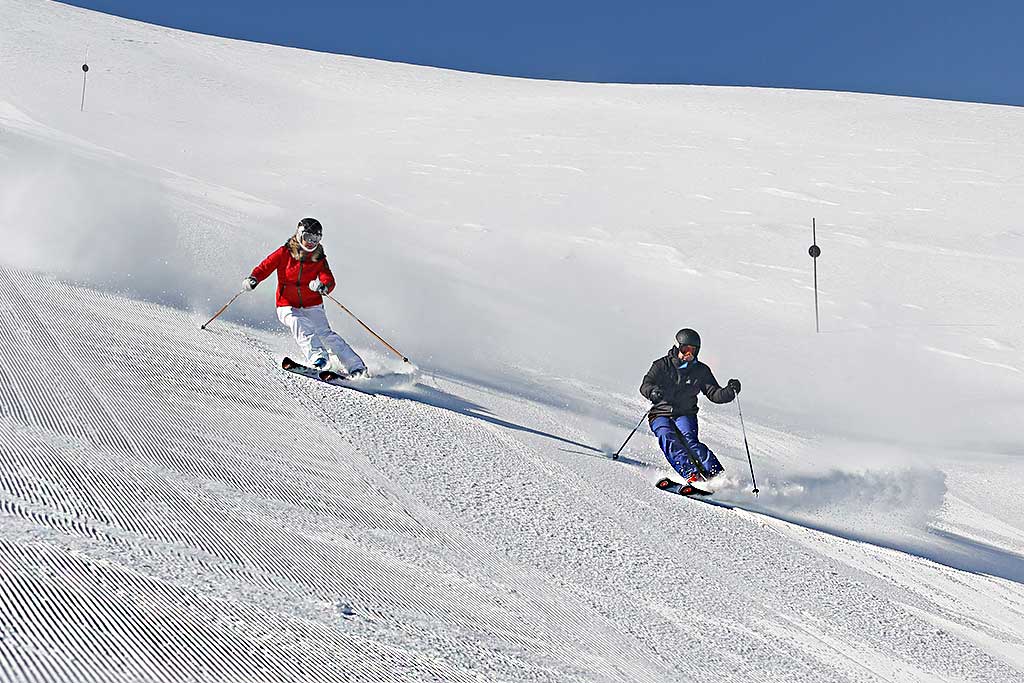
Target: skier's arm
715 392
650 382
327 277
268 265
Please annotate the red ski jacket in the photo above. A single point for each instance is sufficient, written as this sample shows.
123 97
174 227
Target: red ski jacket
296 268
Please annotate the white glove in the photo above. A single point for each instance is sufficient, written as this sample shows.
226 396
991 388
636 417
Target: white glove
250 283
317 286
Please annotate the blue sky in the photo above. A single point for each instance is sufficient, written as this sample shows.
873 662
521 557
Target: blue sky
948 49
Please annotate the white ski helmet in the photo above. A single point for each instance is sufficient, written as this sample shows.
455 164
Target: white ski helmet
309 233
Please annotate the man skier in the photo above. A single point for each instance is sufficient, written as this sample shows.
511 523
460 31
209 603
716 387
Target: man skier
303 277
672 385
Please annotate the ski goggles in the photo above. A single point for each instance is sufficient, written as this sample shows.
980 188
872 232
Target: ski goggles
689 349
310 238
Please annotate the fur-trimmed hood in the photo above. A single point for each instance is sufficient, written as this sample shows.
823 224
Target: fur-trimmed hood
300 254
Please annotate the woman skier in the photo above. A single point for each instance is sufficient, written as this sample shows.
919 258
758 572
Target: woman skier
672 385
303 277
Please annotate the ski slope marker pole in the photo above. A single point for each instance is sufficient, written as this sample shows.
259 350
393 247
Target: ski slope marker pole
746 445
367 328
815 252
222 309
615 455
85 74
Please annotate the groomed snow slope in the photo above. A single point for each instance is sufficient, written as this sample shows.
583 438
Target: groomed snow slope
173 513
174 507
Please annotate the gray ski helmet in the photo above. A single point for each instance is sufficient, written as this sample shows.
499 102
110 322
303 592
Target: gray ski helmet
309 232
687 337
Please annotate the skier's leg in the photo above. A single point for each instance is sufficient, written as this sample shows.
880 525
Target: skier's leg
687 425
333 341
302 328
671 442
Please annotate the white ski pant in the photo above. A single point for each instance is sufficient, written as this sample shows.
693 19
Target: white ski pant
315 337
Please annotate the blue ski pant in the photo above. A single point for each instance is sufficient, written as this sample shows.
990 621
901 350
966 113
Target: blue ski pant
678 440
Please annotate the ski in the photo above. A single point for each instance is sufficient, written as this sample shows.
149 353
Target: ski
392 384
330 375
668 486
691 491
312 373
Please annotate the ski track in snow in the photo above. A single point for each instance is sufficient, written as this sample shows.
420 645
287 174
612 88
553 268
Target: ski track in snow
162 519
648 571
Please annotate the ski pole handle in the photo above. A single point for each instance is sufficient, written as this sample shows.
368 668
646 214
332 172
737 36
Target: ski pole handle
746 445
222 309
367 328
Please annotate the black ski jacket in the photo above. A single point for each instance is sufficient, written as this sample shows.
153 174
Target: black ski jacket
681 386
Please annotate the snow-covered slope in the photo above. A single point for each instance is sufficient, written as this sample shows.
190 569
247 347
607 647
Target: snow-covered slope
172 512
174 507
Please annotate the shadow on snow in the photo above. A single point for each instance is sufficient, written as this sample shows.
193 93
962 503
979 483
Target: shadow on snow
437 398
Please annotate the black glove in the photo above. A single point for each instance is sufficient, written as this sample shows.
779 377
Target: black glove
734 384
317 286
250 283
657 395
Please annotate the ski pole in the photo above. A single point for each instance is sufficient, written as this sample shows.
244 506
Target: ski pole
367 328
615 455
222 309
746 445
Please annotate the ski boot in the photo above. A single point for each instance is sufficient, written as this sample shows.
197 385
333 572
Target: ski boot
699 482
